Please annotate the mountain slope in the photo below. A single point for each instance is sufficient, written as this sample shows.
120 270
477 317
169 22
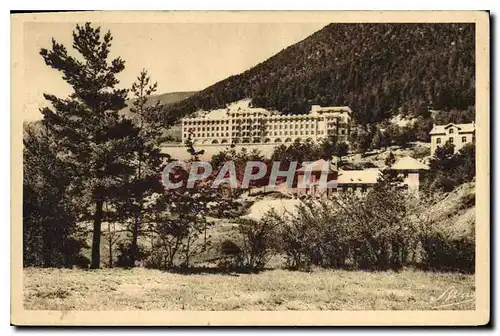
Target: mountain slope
377 69
164 99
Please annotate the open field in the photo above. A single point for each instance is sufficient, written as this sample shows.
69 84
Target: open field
117 289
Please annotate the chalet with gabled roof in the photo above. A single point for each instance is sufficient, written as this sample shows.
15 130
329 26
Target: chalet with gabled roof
456 134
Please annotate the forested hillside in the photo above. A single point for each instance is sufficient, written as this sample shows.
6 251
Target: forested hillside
376 69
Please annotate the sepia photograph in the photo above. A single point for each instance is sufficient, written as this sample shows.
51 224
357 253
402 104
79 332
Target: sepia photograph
250 168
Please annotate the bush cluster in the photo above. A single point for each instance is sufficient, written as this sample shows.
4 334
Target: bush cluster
385 229
445 254
450 169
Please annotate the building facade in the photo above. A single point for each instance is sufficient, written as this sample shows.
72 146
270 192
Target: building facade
457 134
410 170
360 181
255 125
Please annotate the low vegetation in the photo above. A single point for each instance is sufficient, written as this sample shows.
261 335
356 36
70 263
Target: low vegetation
118 289
449 169
387 228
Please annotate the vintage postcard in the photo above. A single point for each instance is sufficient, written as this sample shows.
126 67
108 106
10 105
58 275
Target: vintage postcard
250 168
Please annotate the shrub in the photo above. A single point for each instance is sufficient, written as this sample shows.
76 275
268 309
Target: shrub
128 258
229 248
258 241
449 169
231 255
156 260
379 230
314 236
81 261
468 201
442 182
450 255
385 228
295 239
420 152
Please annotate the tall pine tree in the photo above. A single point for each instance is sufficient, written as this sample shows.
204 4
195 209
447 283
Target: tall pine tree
144 184
95 139
51 237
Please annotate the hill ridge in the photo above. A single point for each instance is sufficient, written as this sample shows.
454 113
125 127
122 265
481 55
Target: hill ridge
378 69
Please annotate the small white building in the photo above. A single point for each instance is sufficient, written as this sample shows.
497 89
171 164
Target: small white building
357 180
410 170
456 134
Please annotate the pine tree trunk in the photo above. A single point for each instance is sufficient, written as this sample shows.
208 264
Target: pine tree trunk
110 256
134 247
96 238
110 244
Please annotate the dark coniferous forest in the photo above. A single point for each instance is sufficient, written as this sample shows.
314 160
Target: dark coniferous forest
376 69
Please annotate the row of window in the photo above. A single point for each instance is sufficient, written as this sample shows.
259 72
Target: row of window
213 128
297 119
275 133
206 121
361 189
245 127
301 132
256 133
248 114
451 139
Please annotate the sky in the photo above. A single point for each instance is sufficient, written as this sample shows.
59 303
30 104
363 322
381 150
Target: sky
179 56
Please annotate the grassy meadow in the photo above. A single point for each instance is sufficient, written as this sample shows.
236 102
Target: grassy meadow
274 289
147 289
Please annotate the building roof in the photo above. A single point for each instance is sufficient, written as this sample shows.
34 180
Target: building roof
318 108
366 176
409 163
317 166
462 128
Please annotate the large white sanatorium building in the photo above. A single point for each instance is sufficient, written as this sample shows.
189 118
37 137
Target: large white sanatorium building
256 125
